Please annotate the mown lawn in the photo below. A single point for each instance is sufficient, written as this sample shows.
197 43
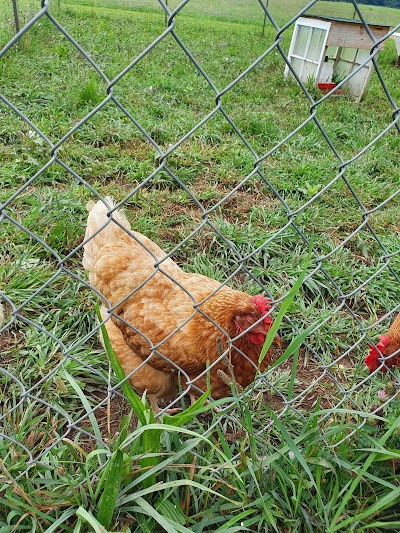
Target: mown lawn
240 468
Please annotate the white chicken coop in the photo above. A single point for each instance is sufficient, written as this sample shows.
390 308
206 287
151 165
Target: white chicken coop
326 50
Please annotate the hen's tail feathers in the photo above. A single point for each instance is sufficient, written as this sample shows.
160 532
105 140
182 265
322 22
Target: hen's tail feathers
101 229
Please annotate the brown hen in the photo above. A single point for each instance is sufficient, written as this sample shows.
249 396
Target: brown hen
165 322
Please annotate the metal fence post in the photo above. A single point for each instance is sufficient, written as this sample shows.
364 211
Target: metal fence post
16 18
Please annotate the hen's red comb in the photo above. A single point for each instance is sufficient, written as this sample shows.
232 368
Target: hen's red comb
372 359
263 305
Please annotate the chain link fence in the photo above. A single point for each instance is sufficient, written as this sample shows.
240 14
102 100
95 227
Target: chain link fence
352 308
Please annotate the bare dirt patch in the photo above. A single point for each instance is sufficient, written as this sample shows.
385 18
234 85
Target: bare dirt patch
320 387
7 341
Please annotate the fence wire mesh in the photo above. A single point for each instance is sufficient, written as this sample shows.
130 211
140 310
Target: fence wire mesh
50 336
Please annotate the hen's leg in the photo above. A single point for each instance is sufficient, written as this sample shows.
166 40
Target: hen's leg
175 410
153 402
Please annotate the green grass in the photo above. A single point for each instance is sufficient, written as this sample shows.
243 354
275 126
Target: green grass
307 470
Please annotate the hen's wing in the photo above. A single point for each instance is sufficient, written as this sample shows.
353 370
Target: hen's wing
154 302
160 319
161 384
394 346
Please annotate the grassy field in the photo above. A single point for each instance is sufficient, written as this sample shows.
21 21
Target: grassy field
241 468
241 11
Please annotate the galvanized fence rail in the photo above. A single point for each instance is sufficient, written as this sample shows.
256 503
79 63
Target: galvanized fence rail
14 313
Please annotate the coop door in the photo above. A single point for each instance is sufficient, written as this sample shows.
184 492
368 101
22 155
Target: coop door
307 49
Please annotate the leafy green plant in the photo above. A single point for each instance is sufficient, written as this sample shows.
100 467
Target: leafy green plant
90 94
338 76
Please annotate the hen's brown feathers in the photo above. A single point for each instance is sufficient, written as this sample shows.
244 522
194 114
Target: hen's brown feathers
161 384
165 314
394 333
393 345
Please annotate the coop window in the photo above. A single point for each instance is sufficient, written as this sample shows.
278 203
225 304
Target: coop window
307 49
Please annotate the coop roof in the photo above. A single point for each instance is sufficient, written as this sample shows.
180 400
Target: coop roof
350 21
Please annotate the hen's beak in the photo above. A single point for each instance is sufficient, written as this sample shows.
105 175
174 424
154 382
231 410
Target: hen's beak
278 341
260 328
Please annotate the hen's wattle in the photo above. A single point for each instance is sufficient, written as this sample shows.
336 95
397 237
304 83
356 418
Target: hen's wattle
372 359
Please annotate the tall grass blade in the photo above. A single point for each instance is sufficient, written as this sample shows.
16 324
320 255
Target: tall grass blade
63 518
334 526
377 526
88 409
130 394
174 485
292 447
296 452
293 375
191 412
283 309
111 488
171 511
238 518
168 525
296 343
150 438
151 447
267 514
91 520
